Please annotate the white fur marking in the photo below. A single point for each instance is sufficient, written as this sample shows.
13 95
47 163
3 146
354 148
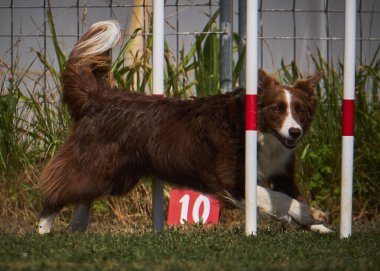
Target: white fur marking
320 228
45 224
103 41
267 201
81 218
280 206
289 122
283 207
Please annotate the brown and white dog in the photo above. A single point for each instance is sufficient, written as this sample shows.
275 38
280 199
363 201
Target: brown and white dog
118 137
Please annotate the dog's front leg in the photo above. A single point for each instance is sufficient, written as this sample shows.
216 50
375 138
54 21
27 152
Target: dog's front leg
81 218
286 208
287 185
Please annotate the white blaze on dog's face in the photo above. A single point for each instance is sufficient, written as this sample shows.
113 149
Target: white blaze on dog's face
286 112
290 128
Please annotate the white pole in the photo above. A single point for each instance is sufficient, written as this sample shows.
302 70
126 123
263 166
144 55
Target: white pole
251 121
348 119
158 89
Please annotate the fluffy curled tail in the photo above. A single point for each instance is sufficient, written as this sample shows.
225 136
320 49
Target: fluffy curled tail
88 66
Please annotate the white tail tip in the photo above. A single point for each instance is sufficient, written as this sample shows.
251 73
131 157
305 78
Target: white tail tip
106 35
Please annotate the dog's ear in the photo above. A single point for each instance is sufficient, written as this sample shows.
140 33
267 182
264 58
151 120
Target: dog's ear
265 81
309 84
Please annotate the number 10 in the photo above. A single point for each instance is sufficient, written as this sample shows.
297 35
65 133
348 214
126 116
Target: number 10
197 204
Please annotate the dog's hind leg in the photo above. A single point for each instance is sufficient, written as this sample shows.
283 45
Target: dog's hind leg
73 193
48 215
81 218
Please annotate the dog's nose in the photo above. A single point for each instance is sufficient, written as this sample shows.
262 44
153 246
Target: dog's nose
295 132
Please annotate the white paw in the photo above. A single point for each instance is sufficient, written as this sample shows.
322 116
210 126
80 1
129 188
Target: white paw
320 229
45 224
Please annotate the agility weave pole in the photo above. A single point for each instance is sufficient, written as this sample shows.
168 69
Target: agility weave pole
251 113
251 120
158 89
348 118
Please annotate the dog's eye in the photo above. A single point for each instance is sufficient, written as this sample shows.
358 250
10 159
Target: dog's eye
300 110
276 108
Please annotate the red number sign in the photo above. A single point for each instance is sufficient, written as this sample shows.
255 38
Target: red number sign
187 206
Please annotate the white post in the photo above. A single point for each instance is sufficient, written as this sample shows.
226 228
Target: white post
251 121
348 119
158 89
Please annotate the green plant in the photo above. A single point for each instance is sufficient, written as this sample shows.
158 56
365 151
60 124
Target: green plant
196 72
13 148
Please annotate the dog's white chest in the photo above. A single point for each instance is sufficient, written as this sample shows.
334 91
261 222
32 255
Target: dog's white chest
273 157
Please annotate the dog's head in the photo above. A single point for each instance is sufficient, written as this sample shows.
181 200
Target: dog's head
286 112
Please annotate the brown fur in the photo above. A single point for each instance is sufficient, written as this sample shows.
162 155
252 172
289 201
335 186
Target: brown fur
125 136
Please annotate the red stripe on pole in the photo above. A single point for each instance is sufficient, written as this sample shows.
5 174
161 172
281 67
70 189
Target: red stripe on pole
348 117
251 112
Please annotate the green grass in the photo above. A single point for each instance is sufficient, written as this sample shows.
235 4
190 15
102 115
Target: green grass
196 249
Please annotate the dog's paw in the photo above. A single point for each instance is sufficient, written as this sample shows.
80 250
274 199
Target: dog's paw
306 215
45 224
320 229
318 215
